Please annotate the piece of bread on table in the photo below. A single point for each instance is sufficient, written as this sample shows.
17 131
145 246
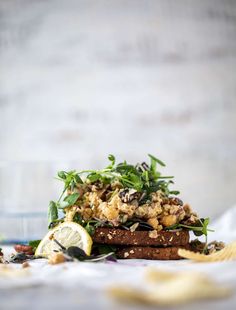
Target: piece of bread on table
136 252
162 238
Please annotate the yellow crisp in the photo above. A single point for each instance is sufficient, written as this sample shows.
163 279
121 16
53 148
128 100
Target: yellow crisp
171 288
227 253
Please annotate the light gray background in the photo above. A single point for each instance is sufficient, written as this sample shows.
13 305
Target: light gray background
82 79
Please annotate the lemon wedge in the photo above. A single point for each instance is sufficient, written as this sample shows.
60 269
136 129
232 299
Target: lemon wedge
68 234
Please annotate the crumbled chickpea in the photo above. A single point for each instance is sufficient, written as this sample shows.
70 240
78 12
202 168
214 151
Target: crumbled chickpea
167 207
157 196
157 211
140 211
181 216
126 254
56 258
127 208
153 222
110 213
174 209
187 209
87 213
25 265
169 220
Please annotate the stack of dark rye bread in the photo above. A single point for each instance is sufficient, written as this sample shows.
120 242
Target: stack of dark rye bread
162 245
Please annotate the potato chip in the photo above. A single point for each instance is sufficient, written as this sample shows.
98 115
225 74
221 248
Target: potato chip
7 271
129 295
227 253
155 275
171 288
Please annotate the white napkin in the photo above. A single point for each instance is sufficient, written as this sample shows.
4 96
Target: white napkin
87 279
224 227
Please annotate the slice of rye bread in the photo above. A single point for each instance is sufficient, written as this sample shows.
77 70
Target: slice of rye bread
141 238
136 252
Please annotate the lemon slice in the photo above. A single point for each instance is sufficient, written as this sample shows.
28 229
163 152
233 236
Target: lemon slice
68 234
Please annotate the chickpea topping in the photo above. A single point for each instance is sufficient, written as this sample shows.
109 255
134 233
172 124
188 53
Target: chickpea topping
153 222
169 220
56 258
126 254
105 202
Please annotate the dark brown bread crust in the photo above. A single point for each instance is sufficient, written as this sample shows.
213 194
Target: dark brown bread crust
134 252
141 238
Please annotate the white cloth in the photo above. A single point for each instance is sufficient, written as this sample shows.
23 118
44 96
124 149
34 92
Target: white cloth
83 285
225 226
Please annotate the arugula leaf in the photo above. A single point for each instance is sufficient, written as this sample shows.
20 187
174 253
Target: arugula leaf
146 177
136 180
141 177
68 201
93 177
62 175
112 159
174 193
78 179
34 244
71 199
199 228
155 160
125 169
62 204
78 219
52 212
90 228
70 179
205 226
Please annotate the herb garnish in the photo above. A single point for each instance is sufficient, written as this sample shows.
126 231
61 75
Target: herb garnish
52 213
199 228
143 178
34 244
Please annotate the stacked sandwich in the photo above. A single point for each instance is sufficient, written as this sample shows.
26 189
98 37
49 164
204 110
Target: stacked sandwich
162 245
128 209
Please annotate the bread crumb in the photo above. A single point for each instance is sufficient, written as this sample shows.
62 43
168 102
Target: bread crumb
152 234
131 252
56 258
25 265
126 254
109 236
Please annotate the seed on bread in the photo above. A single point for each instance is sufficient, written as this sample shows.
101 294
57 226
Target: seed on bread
109 236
